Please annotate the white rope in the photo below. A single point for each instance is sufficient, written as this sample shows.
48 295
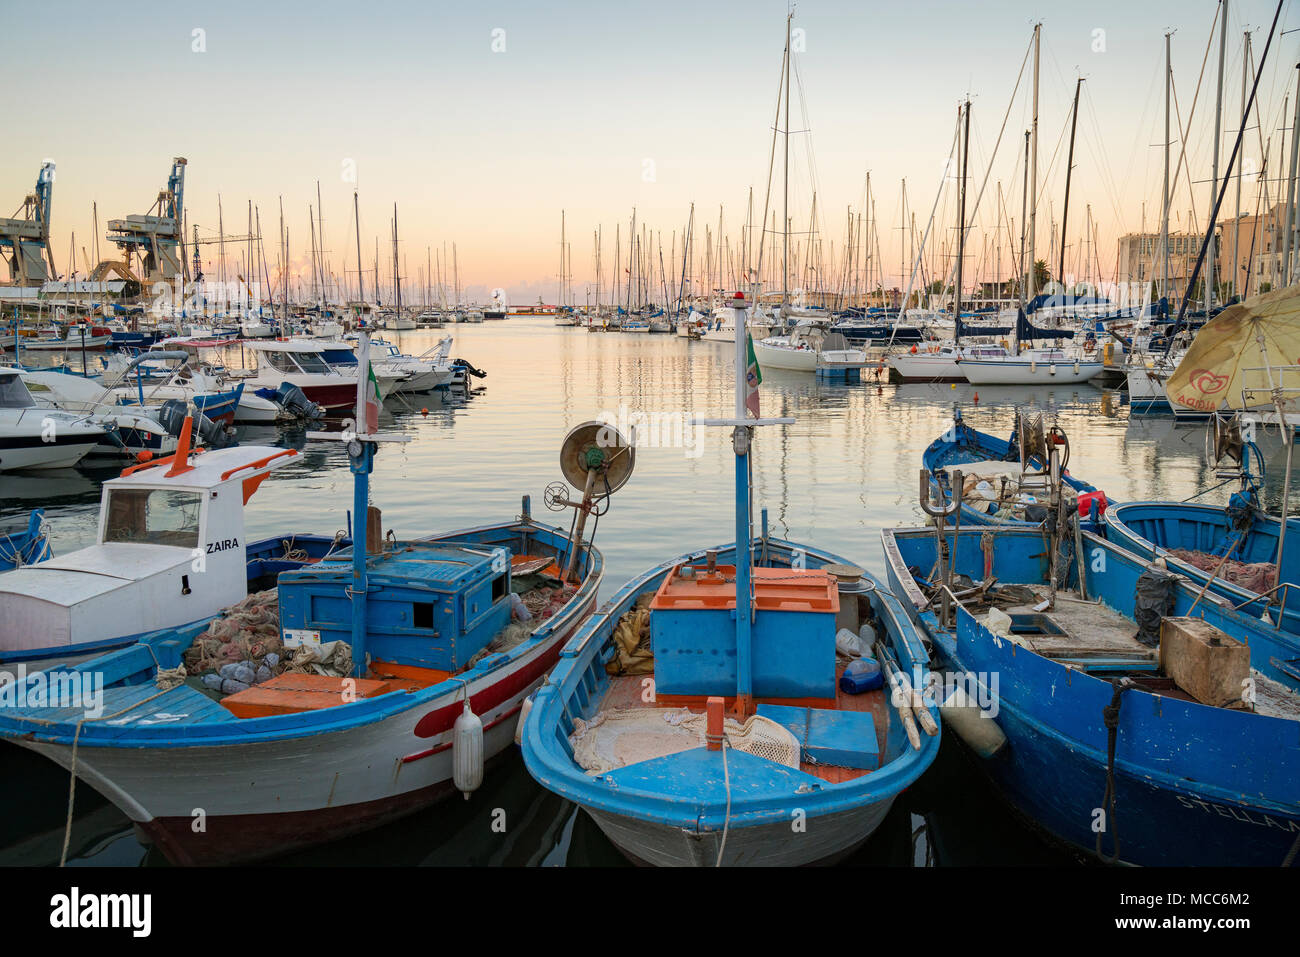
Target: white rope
726 821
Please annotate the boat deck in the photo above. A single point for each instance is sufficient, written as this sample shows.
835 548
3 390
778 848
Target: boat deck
1095 637
626 692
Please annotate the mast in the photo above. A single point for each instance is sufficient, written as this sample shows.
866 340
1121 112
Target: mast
1032 280
1236 233
397 276
1164 220
961 230
1290 188
1218 135
785 213
361 276
1069 169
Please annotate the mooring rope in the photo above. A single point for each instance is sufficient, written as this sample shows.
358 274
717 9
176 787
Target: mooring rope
1110 717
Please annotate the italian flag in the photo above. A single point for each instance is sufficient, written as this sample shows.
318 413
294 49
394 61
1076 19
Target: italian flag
373 400
753 377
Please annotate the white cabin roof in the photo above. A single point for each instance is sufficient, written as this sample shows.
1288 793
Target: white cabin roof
206 470
288 345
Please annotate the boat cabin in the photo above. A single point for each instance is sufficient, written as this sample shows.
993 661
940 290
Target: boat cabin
169 551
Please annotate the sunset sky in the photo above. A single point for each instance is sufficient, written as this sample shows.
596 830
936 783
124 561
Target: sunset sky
596 108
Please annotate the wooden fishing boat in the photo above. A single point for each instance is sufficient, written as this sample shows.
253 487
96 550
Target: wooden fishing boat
170 550
1015 481
846 757
426 674
1082 728
699 717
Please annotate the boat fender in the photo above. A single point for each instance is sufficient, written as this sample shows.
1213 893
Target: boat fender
524 710
1033 365
467 751
1076 366
1052 369
972 724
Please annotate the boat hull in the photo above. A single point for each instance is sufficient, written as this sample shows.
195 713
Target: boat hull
985 372
775 844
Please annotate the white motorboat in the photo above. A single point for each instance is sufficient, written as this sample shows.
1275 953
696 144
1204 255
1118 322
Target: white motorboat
302 362
32 437
810 347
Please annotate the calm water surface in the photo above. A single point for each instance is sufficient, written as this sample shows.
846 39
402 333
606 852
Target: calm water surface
847 467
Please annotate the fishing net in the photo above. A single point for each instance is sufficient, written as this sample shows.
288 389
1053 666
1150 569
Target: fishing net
1258 577
624 736
634 655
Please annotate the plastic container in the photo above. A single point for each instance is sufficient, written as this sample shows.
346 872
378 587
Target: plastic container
861 675
1086 500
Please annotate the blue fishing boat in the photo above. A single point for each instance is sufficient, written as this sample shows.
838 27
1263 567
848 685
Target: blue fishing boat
1236 550
26 547
703 717
394 672
1082 727
994 471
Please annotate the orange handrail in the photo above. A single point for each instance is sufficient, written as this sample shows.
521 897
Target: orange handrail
258 464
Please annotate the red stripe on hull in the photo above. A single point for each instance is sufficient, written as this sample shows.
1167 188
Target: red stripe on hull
438 722
239 838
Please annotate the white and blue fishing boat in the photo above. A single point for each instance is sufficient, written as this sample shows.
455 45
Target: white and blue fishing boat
699 716
26 546
1004 474
408 662
1077 723
170 550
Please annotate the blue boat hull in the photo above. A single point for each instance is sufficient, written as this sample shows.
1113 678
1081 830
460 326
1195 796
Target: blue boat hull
661 813
1194 785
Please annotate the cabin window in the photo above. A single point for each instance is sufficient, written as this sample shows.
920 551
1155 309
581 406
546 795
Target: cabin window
280 361
153 516
312 363
13 394
500 586
422 614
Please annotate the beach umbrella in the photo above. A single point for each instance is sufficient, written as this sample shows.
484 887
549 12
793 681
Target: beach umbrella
1244 358
1248 358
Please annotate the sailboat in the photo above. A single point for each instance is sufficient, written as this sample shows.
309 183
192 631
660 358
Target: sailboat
812 345
749 723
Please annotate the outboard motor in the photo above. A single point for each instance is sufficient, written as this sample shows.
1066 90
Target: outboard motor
292 399
212 434
466 369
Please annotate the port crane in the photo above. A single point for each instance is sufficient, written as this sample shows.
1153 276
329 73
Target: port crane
25 241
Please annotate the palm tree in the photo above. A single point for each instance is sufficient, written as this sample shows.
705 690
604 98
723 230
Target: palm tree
1042 275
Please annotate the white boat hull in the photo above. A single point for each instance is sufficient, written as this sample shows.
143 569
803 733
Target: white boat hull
774 844
1065 372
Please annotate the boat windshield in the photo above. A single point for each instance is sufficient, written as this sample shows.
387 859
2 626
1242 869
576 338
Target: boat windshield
154 516
13 393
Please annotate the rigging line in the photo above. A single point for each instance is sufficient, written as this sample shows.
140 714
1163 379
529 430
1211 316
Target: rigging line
920 253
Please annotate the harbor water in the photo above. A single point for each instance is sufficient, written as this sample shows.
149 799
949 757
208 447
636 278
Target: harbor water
846 468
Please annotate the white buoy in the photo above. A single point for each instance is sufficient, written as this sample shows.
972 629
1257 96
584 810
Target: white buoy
467 751
526 707
971 724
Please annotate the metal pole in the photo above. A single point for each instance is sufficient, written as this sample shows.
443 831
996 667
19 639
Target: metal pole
1214 175
741 440
1290 189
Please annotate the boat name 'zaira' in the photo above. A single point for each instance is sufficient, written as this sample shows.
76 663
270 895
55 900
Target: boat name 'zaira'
222 545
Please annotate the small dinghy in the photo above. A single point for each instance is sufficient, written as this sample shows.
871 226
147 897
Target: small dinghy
1004 479
1128 713
704 715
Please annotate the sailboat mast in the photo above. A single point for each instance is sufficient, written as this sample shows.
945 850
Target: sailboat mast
1069 170
1218 135
1032 277
397 276
961 229
1164 219
785 208
361 276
